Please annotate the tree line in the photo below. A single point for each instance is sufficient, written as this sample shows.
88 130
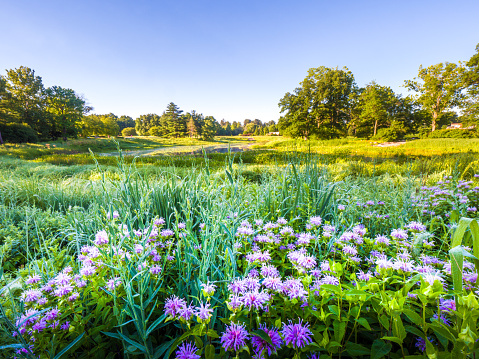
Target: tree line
329 104
30 112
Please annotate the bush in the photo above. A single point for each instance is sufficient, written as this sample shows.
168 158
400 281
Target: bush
155 131
393 133
18 133
455 133
128 131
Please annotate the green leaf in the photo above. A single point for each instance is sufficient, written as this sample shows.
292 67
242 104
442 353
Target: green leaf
398 328
212 333
69 346
412 316
380 349
430 350
415 331
155 324
163 348
331 287
209 351
198 341
393 339
459 232
457 260
363 321
278 323
263 335
339 330
384 321
354 349
443 331
334 309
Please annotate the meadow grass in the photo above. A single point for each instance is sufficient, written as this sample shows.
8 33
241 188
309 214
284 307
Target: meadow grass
52 204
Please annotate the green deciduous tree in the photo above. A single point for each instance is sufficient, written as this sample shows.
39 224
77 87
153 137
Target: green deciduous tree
209 128
438 88
321 106
125 122
26 98
145 122
375 108
66 108
470 107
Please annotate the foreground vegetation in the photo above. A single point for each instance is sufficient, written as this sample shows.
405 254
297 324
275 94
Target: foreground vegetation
288 249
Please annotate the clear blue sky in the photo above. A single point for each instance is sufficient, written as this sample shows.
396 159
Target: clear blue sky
230 59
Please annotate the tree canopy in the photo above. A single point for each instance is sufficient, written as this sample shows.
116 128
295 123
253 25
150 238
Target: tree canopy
320 107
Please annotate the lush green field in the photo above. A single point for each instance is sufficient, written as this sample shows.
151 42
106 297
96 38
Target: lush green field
56 200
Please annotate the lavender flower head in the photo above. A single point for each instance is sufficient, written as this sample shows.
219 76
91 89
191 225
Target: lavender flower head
234 337
416 227
259 344
33 279
187 351
203 313
399 234
101 238
297 335
173 306
208 289
316 221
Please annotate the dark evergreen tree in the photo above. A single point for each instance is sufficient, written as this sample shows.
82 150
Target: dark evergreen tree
175 123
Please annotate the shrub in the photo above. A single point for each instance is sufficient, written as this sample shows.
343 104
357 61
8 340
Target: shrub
18 133
128 131
393 133
455 133
155 131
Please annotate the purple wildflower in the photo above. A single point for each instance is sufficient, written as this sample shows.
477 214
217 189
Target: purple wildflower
52 314
203 312
101 238
173 305
420 344
269 271
298 335
187 351
31 295
186 312
259 344
447 305
33 279
156 269
255 299
234 337
399 234
316 221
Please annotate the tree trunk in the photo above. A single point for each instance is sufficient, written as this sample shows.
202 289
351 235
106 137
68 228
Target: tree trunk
375 126
64 130
434 118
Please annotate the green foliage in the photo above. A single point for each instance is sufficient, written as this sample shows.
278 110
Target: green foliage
145 122
17 133
470 81
320 107
452 133
371 319
393 133
438 87
67 109
128 131
100 125
375 108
